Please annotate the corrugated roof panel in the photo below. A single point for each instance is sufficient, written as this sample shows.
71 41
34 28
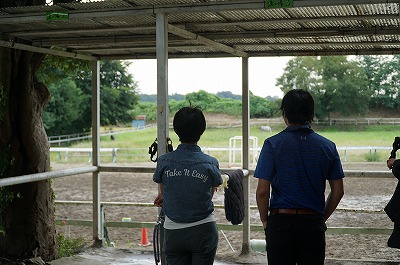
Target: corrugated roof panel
163 2
234 42
289 40
394 46
137 20
322 11
30 9
191 49
299 48
350 47
388 38
50 25
333 24
379 9
345 39
68 24
384 23
194 17
213 28
254 48
272 26
93 5
323 28
246 15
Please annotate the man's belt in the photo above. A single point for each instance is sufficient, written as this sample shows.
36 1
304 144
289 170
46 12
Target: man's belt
291 211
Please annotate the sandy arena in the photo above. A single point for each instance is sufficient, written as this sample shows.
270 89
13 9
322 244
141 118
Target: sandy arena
369 193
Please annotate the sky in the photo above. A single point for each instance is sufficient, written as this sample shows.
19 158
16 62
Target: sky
212 75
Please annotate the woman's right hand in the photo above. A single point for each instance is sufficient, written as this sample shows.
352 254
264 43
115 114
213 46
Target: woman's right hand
390 162
158 201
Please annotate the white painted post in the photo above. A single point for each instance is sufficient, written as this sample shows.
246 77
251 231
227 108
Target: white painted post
162 94
245 152
162 82
97 218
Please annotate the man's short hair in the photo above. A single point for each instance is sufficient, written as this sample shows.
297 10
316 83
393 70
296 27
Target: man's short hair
189 124
298 106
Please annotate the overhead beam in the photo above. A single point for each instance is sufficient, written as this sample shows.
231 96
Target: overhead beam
319 44
35 33
303 33
108 30
244 46
269 53
192 36
291 20
145 39
9 44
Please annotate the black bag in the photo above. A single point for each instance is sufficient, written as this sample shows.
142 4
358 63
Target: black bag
234 197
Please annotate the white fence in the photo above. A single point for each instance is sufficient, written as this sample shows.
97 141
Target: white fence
64 153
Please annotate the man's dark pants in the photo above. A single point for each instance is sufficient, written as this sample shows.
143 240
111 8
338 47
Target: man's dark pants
296 239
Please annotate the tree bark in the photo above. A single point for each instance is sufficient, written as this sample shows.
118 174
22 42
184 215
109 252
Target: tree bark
29 221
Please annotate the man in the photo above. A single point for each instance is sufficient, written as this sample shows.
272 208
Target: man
292 171
392 209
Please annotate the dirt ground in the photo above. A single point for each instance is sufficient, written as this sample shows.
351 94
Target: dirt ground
368 194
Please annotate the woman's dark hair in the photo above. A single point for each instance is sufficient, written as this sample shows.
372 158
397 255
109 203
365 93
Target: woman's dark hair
298 106
189 124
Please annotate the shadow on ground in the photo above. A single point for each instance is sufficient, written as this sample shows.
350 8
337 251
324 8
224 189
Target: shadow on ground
114 256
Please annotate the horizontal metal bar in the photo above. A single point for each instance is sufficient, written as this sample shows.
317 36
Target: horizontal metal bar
46 175
229 227
219 206
368 174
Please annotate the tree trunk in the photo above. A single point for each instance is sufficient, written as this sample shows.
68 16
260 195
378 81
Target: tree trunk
29 222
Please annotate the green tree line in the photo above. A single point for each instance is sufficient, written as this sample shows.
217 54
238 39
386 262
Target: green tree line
341 86
70 85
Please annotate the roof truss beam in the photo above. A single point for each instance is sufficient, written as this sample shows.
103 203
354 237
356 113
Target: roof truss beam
192 36
291 20
13 45
145 39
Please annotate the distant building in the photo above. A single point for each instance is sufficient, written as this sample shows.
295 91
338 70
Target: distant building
140 121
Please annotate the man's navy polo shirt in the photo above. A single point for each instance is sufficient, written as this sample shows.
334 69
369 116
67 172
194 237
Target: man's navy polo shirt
298 162
187 176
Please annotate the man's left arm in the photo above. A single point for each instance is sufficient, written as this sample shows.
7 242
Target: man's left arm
334 197
262 198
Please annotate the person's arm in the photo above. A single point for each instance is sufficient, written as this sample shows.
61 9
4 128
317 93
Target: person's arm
262 198
158 201
334 197
390 162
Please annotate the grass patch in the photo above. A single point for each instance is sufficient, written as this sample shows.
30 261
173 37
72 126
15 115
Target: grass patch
69 246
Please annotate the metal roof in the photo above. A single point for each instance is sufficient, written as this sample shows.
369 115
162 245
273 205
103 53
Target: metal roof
126 29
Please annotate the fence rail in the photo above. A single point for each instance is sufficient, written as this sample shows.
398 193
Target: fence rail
115 152
225 227
68 138
349 121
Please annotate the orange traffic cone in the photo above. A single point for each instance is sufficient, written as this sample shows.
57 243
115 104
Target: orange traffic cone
144 240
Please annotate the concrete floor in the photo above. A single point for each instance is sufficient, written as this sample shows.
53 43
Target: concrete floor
113 256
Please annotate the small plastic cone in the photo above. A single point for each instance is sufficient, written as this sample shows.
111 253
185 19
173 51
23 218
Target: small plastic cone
144 241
